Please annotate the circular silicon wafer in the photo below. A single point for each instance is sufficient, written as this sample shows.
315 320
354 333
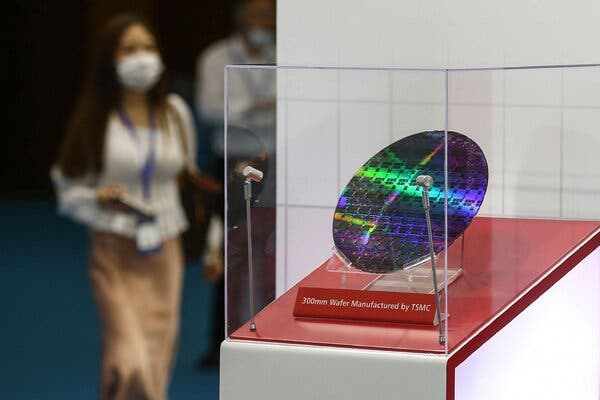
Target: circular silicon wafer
379 223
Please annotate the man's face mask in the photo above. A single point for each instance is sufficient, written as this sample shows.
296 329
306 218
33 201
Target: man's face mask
259 37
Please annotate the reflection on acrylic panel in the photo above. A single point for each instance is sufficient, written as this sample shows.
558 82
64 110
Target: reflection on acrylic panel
379 224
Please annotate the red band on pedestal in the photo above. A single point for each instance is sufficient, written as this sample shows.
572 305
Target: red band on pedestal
365 305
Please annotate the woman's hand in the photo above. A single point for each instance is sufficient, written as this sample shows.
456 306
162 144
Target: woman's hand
202 181
213 266
109 197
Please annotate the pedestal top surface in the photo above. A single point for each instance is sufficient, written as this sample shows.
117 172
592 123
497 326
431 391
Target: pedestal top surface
506 263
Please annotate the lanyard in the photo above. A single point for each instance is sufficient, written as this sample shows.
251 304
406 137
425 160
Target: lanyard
147 170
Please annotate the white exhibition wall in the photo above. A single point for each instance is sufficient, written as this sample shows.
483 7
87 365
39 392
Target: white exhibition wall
539 129
443 33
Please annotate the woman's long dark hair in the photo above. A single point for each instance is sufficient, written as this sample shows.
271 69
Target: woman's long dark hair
82 149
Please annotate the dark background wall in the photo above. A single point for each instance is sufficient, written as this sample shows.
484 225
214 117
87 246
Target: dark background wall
46 58
50 345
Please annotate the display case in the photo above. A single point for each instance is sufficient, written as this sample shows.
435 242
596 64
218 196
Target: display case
514 203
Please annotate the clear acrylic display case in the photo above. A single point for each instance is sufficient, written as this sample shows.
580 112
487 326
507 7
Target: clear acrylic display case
310 128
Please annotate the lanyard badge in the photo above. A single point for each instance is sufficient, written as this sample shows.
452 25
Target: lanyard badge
148 238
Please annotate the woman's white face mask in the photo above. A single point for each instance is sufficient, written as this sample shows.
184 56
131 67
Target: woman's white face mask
140 71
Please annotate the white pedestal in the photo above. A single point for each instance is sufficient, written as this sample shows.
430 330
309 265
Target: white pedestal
254 370
544 345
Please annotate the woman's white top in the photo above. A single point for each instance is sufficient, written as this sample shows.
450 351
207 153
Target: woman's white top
124 157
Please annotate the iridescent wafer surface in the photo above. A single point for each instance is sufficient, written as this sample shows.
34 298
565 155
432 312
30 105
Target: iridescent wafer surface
379 223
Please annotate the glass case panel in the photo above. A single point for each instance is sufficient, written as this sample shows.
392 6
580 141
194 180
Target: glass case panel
250 141
538 130
346 155
313 133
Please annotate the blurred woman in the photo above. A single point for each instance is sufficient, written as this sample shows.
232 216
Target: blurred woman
127 143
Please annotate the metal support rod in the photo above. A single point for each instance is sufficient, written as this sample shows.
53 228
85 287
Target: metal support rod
247 197
426 206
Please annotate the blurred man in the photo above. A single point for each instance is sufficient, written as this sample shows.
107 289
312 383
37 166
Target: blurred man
251 136
253 42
